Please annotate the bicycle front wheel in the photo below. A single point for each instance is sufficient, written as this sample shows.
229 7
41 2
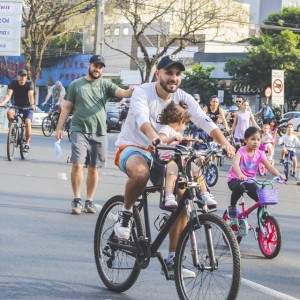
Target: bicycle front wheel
212 175
210 250
286 170
47 126
117 267
270 242
12 140
262 169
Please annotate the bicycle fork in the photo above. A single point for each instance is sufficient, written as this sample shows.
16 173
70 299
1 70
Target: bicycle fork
194 246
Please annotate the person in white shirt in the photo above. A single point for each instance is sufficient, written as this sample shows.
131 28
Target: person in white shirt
289 142
137 137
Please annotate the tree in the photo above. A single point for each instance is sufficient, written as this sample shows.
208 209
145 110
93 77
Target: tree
287 18
199 81
269 52
172 24
43 21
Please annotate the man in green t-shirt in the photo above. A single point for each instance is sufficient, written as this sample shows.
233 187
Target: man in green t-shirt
88 96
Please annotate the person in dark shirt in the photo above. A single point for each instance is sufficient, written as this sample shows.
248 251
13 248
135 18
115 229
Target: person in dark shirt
215 112
22 92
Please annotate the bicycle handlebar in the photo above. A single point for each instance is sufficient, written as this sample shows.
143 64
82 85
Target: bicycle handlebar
265 182
19 107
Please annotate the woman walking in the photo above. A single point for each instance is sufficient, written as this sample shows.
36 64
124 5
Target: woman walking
242 120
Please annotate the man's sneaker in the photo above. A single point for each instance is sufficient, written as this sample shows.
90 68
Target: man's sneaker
76 206
281 161
122 227
184 272
209 199
170 201
89 207
26 147
232 212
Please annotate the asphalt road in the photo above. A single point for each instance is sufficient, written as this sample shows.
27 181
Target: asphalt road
47 253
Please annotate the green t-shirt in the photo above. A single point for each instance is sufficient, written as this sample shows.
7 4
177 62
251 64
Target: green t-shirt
89 99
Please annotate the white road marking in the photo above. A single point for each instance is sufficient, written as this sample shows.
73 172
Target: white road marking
267 290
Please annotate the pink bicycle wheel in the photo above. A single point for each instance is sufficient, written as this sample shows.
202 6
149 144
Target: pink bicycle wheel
271 243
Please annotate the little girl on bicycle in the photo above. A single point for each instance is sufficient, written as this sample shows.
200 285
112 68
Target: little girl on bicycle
173 120
273 130
267 142
244 166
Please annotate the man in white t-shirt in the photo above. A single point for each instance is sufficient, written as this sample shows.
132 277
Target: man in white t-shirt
140 131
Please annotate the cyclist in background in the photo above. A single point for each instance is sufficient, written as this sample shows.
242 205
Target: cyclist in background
57 92
231 114
289 140
266 112
22 92
273 130
140 132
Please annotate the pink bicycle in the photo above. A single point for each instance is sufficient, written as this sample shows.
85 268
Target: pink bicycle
268 231
262 170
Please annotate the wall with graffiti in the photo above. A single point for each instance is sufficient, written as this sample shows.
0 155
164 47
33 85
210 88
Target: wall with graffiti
65 69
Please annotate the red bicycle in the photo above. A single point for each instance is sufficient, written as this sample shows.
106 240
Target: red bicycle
268 231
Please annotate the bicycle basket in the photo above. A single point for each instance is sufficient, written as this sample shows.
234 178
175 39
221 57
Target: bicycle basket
267 196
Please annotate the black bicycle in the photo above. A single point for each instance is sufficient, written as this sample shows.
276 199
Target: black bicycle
207 245
288 163
50 122
16 134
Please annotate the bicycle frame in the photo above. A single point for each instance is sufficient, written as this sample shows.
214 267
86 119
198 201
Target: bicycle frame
188 196
244 214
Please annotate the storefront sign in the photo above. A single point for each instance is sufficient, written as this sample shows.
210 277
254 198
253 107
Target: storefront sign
10 27
245 89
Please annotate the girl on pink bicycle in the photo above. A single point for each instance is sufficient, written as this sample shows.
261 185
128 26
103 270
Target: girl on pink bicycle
267 142
245 165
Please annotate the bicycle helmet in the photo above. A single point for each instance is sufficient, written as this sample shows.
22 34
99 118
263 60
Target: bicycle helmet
233 108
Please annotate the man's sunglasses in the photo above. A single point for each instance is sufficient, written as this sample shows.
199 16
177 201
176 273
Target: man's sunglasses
238 101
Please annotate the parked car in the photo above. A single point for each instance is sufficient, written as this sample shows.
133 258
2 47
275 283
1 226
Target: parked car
295 115
38 117
113 111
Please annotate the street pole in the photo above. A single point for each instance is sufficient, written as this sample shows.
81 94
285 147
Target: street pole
99 28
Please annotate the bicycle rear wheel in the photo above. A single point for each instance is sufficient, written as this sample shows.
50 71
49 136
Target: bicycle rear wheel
270 244
47 126
23 152
117 268
215 279
12 140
